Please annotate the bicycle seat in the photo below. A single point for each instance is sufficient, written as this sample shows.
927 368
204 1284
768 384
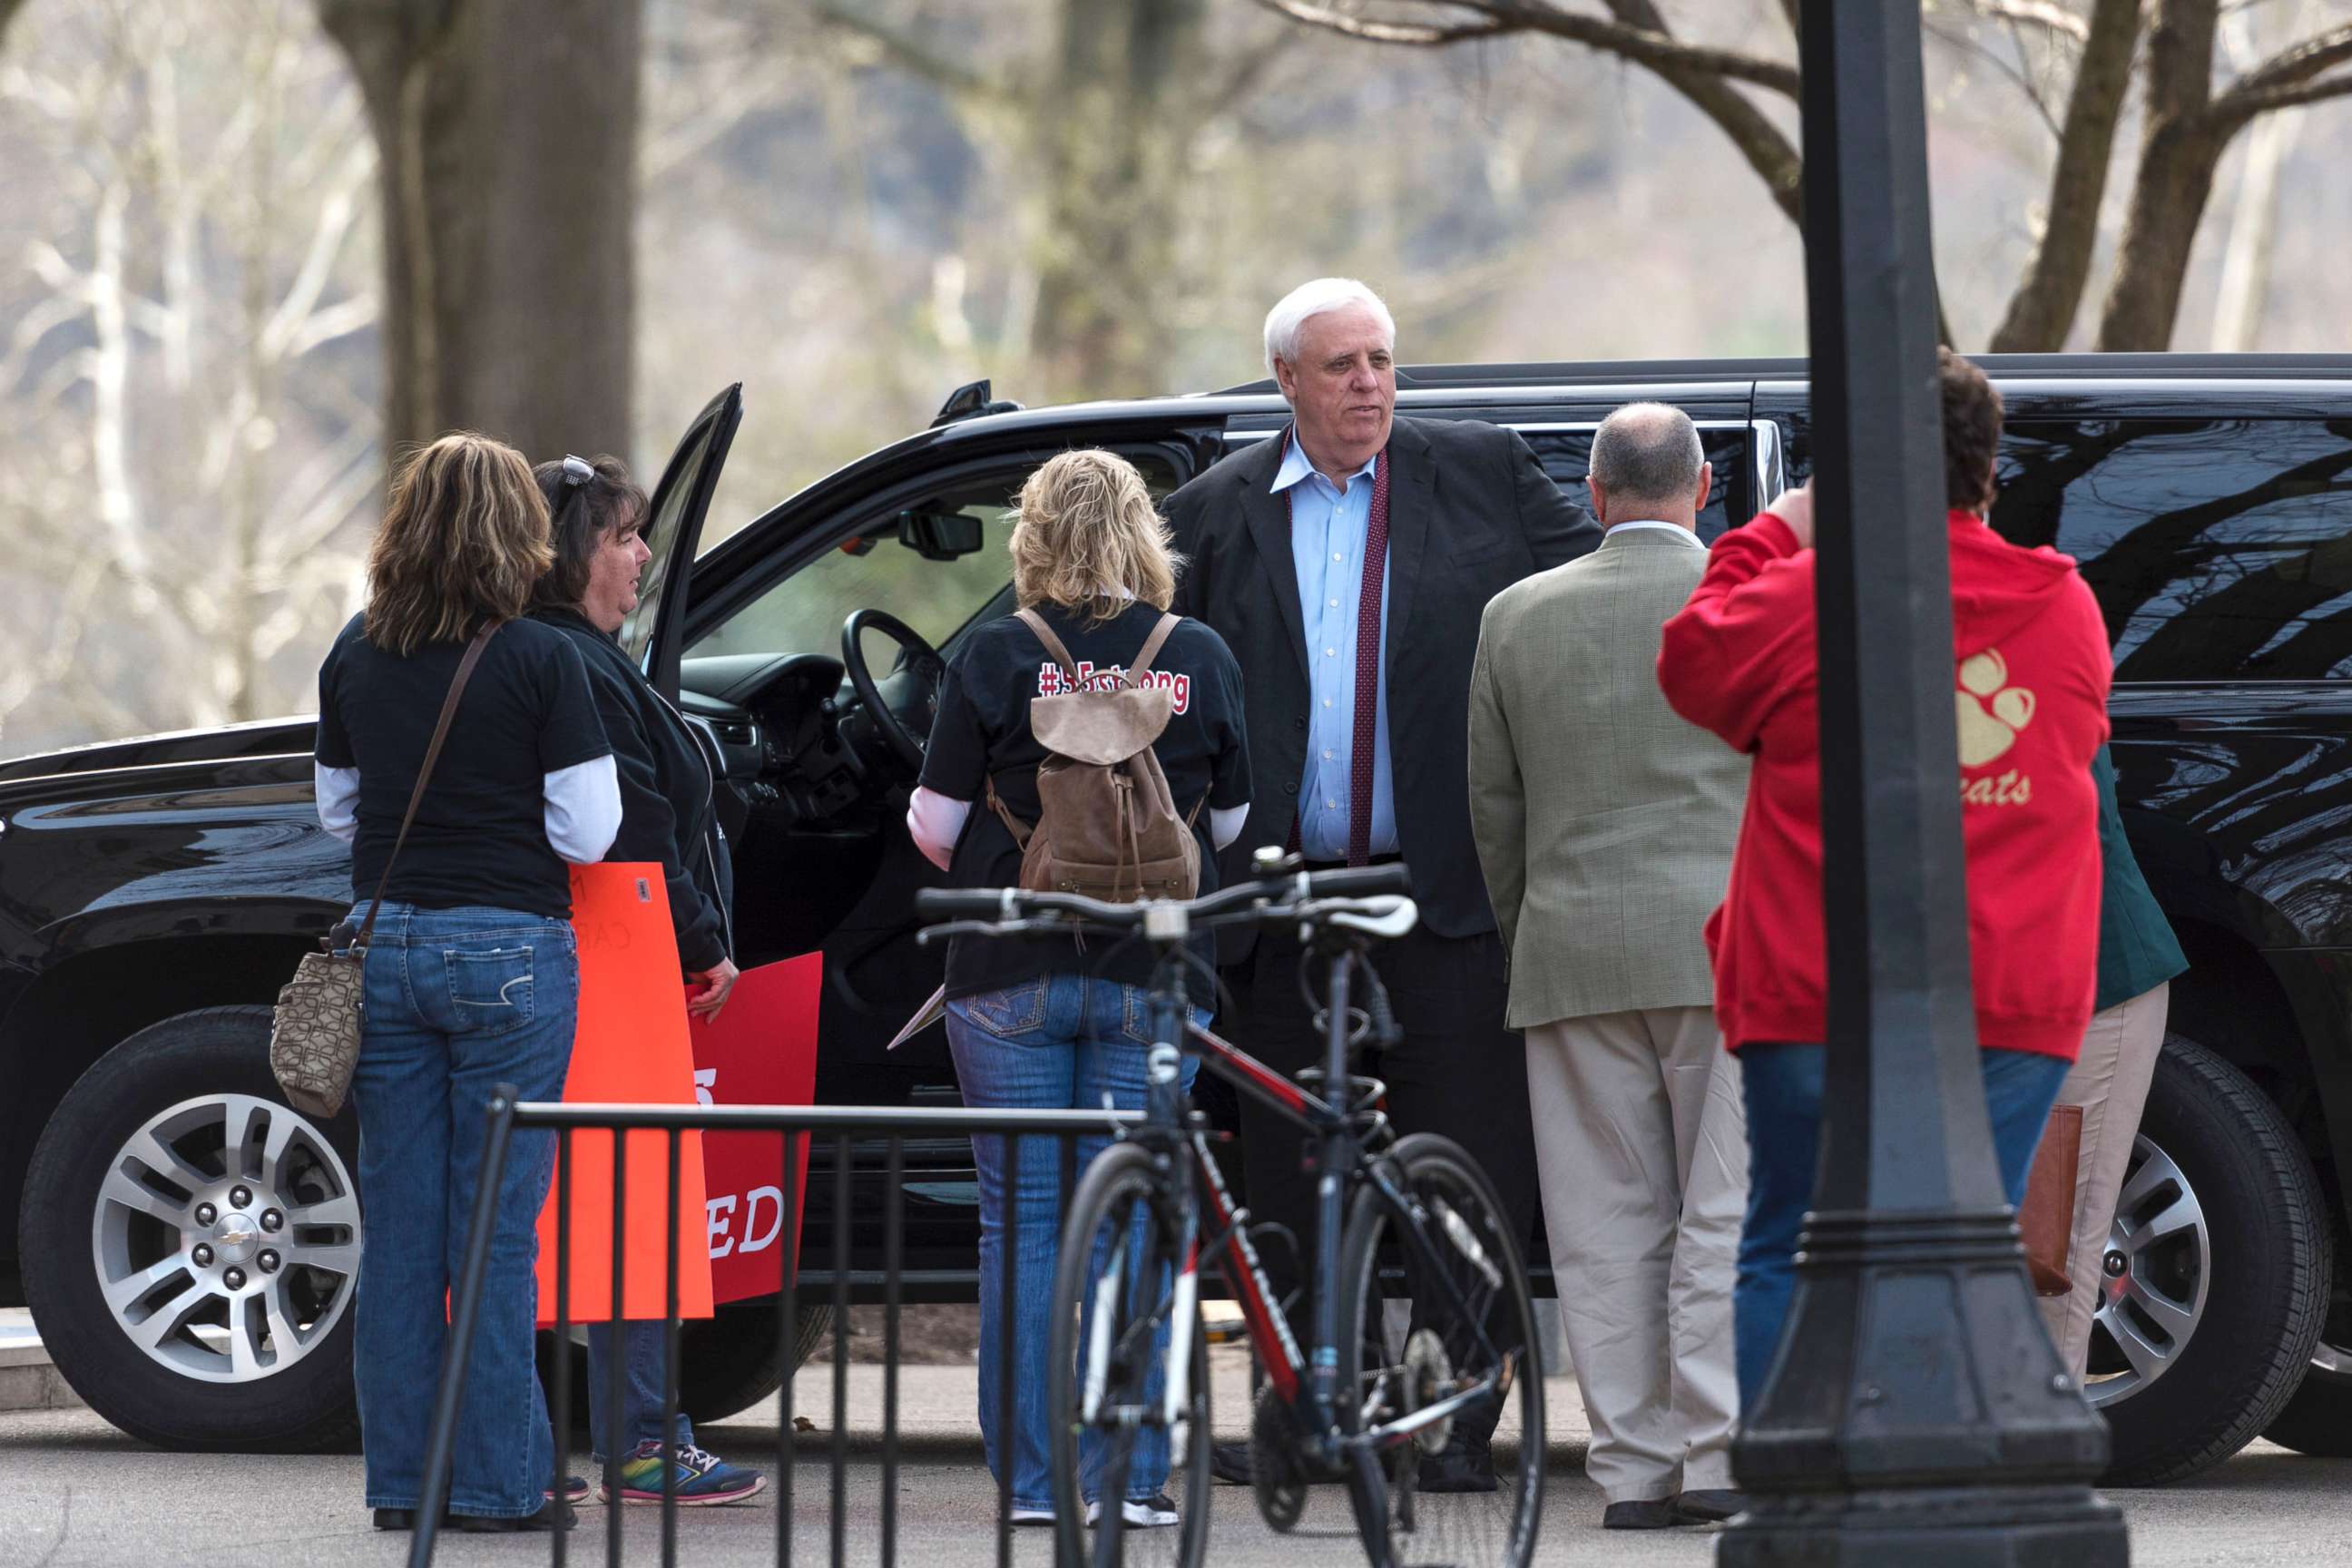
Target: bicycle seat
1389 915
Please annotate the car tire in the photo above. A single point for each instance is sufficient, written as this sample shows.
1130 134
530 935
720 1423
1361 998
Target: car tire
730 1362
2251 1274
94 1204
2318 1420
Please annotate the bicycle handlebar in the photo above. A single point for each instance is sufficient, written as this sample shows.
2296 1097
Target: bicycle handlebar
1011 904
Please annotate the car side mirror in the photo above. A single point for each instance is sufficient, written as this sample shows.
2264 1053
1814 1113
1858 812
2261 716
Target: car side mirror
940 535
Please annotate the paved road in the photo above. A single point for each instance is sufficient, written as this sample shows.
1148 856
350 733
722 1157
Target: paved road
74 1491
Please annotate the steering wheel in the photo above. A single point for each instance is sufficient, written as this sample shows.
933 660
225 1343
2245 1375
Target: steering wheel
919 672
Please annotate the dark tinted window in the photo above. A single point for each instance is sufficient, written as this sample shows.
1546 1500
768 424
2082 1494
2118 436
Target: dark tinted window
2220 550
1567 454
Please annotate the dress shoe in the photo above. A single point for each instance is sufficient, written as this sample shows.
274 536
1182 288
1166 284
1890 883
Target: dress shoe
395 1518
1708 1507
1466 1464
551 1515
1640 1514
1230 1462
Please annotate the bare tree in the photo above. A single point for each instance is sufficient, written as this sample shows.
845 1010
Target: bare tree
507 140
195 452
1105 113
2188 124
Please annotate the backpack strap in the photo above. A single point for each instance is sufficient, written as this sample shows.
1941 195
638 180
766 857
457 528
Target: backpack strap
1141 666
1012 824
1061 656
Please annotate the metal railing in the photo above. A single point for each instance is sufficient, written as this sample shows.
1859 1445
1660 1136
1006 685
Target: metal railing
799 1127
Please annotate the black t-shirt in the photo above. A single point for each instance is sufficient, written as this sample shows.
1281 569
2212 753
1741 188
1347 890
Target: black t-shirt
982 731
480 836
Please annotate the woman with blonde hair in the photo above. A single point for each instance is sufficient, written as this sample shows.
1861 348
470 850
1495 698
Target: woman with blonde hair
471 975
1040 1026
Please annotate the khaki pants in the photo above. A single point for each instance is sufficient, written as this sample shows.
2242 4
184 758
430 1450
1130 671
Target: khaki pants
1640 1142
2109 1081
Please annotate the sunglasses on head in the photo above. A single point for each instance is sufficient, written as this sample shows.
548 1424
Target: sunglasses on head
577 472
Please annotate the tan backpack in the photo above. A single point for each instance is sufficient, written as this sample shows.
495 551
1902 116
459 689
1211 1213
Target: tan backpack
1107 827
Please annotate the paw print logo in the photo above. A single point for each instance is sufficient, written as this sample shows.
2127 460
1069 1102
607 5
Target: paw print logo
1991 710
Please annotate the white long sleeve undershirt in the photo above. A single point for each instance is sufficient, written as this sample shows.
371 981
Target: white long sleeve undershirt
581 806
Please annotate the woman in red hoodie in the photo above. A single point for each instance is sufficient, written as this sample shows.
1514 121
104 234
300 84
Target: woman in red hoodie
2031 669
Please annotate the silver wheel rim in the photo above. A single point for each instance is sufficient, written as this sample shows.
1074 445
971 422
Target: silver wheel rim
2153 1278
226 1238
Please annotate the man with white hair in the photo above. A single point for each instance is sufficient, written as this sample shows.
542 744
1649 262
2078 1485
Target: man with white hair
1605 827
1346 564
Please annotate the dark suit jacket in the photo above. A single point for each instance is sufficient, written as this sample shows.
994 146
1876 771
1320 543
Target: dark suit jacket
1470 512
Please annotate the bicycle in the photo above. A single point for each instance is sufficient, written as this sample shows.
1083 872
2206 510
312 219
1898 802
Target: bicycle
1128 1355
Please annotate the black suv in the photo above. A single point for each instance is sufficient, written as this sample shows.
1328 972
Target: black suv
155 893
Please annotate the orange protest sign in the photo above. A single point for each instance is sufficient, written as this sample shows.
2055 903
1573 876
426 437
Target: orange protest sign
632 1047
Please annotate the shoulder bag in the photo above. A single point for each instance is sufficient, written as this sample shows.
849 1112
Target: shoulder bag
314 1035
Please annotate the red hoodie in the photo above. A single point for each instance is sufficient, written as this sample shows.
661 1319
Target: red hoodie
2030 685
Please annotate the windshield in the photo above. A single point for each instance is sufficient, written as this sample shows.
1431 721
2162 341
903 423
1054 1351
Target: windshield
876 568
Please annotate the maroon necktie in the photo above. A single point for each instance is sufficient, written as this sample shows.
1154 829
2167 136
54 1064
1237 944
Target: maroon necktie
1368 672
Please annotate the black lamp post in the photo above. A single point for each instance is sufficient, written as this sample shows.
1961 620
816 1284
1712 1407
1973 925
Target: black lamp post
1916 1413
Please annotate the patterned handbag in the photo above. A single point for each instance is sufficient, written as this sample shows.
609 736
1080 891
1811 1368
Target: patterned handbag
314 1036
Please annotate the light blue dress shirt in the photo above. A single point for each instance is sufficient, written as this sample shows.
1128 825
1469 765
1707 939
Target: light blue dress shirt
1328 528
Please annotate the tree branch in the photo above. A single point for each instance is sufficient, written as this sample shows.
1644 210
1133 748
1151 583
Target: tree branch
903 51
1654 48
2024 83
2293 97
2264 87
2045 13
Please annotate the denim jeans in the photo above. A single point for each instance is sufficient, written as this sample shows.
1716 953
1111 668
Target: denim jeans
641 1393
1783 1087
456 1001
1059 1043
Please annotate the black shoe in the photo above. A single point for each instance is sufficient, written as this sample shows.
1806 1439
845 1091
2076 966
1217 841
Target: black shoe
1708 1507
1230 1462
395 1518
1464 1464
1640 1515
551 1515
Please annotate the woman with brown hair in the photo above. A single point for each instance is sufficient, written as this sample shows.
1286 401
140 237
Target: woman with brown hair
1039 1024
472 978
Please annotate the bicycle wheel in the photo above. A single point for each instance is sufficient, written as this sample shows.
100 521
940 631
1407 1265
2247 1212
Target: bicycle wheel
1470 1322
1116 1316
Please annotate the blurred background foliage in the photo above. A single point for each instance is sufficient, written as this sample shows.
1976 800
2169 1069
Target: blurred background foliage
250 247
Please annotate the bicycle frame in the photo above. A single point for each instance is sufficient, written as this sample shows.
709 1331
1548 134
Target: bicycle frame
1310 1386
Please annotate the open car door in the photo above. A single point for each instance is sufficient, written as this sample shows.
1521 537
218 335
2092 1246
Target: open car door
655 630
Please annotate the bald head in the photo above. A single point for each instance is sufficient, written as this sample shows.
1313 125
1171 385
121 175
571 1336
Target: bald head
1647 464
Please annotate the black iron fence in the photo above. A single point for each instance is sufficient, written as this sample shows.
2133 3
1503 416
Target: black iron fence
802 1128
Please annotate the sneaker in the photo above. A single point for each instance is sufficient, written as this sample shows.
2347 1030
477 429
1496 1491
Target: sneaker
703 1477
1155 1512
1028 1516
575 1490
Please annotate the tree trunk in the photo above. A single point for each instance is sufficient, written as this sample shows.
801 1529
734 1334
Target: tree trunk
2042 310
1112 120
507 187
2178 152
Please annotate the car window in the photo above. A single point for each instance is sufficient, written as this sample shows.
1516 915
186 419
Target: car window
1566 453
870 568
2220 550
1567 457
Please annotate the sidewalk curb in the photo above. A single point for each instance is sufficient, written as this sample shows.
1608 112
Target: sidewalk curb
30 1380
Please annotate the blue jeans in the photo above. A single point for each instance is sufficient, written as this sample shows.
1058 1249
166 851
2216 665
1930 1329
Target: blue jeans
456 1001
641 1395
1784 1132
1060 1043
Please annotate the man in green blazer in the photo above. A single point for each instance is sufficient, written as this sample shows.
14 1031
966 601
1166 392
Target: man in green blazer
1605 827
